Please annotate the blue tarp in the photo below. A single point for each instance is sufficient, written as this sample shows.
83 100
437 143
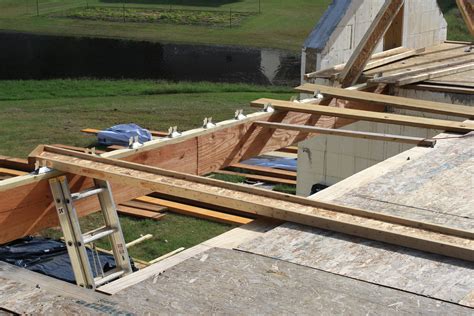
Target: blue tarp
48 257
120 135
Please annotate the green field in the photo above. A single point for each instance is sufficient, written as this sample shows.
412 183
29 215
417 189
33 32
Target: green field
281 24
54 111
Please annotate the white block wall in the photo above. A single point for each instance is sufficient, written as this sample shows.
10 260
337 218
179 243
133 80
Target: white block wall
329 159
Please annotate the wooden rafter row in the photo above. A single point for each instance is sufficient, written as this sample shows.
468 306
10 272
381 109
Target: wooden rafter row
388 118
372 225
394 101
356 134
361 55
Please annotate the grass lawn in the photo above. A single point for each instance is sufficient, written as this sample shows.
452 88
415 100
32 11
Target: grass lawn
54 111
282 24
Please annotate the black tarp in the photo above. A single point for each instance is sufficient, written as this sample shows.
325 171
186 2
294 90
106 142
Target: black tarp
49 257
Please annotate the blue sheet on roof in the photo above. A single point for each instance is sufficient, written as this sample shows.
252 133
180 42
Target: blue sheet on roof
273 162
120 135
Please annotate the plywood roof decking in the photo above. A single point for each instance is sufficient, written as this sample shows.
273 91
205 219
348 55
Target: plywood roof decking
434 184
222 281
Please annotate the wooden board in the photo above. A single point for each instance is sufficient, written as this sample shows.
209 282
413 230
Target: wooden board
136 212
194 211
11 172
256 177
348 133
418 235
15 163
367 115
145 206
222 281
374 262
95 131
267 171
369 41
394 101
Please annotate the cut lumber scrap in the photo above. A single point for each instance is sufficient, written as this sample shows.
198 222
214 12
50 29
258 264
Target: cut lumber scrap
145 206
267 171
356 134
394 101
194 211
435 74
369 41
167 255
127 210
114 147
95 131
11 172
388 118
400 231
257 177
466 8
79 149
138 240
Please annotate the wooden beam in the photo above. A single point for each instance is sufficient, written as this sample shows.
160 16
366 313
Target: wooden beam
289 149
12 172
367 115
372 225
96 131
79 149
267 171
257 177
467 12
198 212
366 47
435 74
136 212
418 141
388 100
145 206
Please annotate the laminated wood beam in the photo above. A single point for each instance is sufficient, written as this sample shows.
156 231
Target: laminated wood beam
396 102
359 58
372 225
388 118
355 134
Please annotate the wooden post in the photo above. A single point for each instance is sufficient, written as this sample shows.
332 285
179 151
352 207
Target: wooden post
361 55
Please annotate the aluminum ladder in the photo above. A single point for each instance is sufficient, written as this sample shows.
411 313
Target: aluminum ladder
76 241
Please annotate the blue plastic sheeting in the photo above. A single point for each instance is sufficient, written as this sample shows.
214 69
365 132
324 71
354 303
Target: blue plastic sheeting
49 257
274 162
120 135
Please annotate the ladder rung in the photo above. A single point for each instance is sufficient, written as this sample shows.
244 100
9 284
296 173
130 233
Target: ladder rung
97 234
86 193
111 275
